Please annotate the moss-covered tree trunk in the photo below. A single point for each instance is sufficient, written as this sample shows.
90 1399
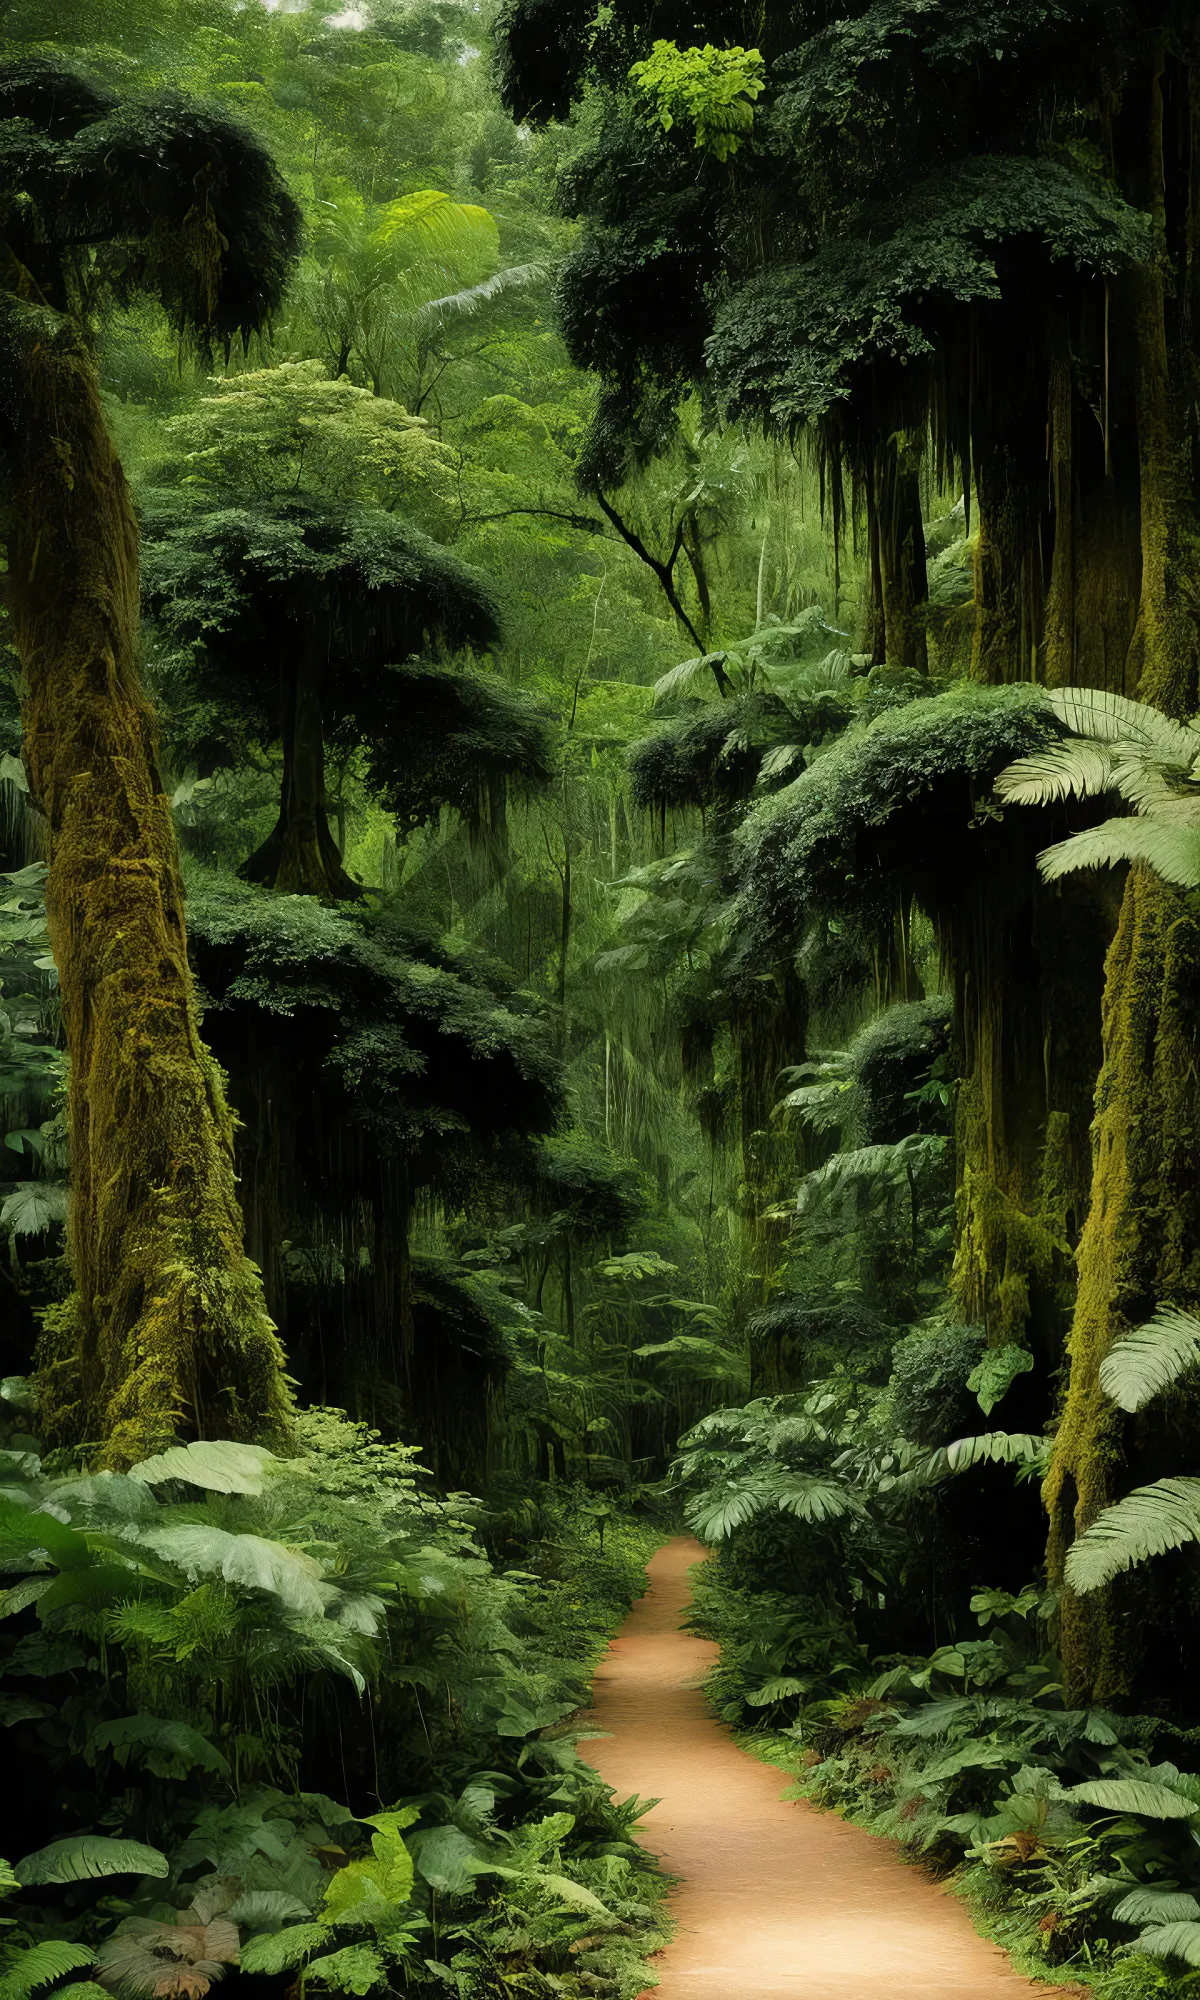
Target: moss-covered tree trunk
166 1333
300 856
1141 1245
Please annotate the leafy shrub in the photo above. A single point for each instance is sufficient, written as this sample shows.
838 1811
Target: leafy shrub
929 1382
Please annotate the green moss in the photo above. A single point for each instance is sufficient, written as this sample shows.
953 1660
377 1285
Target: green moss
1140 1246
168 1331
869 808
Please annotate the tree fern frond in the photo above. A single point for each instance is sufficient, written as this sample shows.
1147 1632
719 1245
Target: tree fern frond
1113 718
715 1515
814 1500
458 305
1141 1364
1073 769
1148 1522
1152 788
1172 851
996 1448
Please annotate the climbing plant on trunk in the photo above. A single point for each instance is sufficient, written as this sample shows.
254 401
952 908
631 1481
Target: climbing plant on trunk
166 1331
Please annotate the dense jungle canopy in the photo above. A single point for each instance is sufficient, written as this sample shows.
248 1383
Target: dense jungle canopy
600 833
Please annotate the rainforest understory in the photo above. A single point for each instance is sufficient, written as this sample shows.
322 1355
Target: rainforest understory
600 941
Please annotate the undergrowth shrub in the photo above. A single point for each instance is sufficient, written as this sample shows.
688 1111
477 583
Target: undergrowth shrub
285 1715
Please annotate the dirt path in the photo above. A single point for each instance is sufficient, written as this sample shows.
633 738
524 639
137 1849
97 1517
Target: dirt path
774 1900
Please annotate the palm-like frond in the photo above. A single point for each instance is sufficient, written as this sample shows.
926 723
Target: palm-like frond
1172 851
1113 718
1141 1364
1073 769
1148 1522
996 1448
459 305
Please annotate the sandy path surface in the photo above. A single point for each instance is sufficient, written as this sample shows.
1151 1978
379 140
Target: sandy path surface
774 1900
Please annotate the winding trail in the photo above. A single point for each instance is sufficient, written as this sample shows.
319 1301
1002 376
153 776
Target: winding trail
775 1901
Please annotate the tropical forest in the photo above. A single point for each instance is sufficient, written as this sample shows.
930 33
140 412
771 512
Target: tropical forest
599 999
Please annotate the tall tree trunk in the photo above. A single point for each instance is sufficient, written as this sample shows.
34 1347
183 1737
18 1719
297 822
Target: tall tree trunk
903 579
166 1332
1141 1245
300 856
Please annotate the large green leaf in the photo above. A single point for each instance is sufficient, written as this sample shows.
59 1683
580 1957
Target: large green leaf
217 1465
40 1965
991 1381
168 1749
280 1951
1148 1522
34 1206
200 1549
1180 1940
84 1855
449 1859
1156 1906
354 1969
1133 1795
1141 1364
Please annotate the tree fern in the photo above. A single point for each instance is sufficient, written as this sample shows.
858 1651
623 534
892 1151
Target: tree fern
1148 1522
1070 770
1111 718
1141 1364
1172 851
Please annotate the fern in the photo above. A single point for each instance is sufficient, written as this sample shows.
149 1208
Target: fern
167 1749
997 1448
1112 718
1071 770
1141 1364
1148 1522
1172 851
282 1951
40 1965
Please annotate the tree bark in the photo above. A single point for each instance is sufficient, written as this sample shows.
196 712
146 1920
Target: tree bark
1141 1246
166 1333
903 581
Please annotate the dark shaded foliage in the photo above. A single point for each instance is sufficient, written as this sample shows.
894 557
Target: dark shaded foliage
162 195
932 1402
